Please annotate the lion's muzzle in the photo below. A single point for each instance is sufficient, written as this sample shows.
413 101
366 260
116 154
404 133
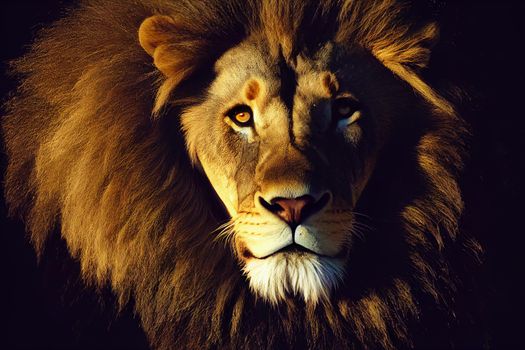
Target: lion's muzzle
295 210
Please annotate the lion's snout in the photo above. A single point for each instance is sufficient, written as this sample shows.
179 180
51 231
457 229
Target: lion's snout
294 211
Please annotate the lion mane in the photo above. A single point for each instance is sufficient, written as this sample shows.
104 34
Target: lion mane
95 150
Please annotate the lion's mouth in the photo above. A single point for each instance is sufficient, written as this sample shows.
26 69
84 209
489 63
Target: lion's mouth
293 248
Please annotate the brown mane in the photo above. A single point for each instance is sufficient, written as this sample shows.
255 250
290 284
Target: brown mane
85 154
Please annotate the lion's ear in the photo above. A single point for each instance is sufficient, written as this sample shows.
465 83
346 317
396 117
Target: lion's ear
173 51
156 34
155 31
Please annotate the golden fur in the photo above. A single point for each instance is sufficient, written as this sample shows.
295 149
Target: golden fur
85 154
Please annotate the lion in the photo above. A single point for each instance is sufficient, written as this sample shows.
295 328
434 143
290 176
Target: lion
250 174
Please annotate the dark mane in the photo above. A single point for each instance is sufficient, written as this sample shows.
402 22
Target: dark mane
86 155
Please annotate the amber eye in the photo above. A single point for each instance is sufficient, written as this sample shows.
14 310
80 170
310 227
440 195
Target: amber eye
344 108
241 115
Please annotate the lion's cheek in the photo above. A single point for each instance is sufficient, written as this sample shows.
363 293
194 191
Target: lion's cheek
327 240
224 186
360 183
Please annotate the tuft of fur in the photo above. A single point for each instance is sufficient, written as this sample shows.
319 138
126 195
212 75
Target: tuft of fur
85 154
304 276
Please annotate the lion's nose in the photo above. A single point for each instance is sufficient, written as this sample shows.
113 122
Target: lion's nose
295 210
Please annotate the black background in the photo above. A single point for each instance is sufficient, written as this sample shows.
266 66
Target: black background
46 306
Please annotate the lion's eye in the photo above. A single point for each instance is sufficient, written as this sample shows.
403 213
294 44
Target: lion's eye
346 108
241 115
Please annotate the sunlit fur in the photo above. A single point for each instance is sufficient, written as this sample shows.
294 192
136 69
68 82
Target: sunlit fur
312 276
85 154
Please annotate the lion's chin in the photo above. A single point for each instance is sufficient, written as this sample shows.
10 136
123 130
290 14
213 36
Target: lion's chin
282 275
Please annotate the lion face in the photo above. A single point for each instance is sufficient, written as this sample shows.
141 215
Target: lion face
289 145
299 114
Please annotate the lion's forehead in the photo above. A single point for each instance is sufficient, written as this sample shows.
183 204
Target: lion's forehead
283 93
250 60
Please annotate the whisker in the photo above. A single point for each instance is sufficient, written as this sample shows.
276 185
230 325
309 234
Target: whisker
358 233
364 226
222 226
225 232
361 215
